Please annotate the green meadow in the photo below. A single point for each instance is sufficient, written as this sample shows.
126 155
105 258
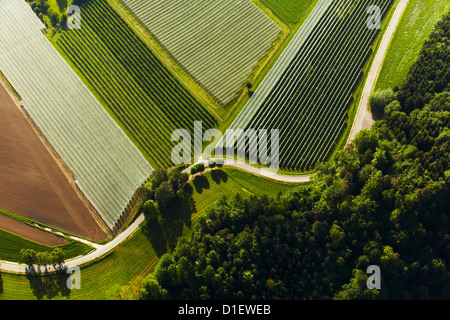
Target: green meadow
214 185
416 25
290 11
130 260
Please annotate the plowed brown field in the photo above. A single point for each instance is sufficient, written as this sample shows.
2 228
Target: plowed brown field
32 184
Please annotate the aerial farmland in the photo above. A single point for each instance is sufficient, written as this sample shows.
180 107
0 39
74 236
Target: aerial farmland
82 133
307 95
138 143
32 183
242 34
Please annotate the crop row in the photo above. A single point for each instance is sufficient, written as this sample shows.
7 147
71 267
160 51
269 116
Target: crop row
218 42
309 102
135 86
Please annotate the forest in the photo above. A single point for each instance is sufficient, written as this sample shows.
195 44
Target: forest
383 201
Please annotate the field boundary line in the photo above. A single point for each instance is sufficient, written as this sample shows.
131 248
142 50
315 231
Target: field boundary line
100 251
365 115
63 167
268 57
162 59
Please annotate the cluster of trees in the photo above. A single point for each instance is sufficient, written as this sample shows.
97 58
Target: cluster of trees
43 9
429 74
167 205
198 168
383 201
379 100
44 258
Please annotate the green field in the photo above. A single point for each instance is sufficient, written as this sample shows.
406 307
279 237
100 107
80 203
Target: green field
313 84
212 186
234 109
290 11
414 28
139 91
58 6
129 261
11 244
230 38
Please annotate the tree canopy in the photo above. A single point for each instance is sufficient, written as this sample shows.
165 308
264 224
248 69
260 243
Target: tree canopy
383 201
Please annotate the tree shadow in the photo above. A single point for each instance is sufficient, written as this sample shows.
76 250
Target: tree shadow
163 232
48 284
62 5
173 230
219 175
201 183
377 117
155 234
180 209
187 189
1 283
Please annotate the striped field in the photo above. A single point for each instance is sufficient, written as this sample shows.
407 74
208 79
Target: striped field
307 93
134 85
107 166
218 42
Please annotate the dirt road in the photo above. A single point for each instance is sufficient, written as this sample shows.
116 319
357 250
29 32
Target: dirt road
364 119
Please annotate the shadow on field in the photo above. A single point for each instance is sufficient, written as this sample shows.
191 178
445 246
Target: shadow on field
218 176
1 283
201 183
155 235
48 285
164 230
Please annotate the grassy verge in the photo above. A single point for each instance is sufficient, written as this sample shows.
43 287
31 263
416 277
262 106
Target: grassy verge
190 84
353 109
340 144
11 244
129 261
416 25
36 224
260 70
227 113
234 108
290 11
9 87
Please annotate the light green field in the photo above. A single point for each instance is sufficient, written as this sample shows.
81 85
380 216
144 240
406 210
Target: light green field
416 24
59 6
290 11
129 261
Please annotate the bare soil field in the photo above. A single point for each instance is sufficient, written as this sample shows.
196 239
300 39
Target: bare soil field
29 232
32 184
